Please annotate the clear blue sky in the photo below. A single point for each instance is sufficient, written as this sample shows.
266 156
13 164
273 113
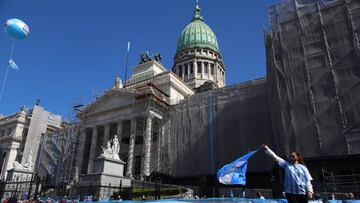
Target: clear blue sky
76 47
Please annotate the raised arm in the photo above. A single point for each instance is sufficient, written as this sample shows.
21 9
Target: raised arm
309 186
272 154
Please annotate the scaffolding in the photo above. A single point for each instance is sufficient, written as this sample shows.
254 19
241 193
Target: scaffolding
212 128
337 179
313 77
57 158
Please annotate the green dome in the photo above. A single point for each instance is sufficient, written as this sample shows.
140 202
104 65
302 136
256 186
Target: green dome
197 35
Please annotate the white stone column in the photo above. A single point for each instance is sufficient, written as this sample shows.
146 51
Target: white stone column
92 148
5 164
130 162
10 158
160 143
216 73
147 146
106 134
195 69
80 155
208 70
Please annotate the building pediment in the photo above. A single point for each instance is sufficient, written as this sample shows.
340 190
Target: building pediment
110 100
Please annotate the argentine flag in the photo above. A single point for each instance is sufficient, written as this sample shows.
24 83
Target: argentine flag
13 65
235 173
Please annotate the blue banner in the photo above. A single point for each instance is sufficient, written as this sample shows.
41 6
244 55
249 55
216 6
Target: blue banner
235 172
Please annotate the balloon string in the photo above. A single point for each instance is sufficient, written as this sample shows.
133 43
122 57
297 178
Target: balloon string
7 70
3 85
12 49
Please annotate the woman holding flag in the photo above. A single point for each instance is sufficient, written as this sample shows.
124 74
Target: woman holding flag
297 184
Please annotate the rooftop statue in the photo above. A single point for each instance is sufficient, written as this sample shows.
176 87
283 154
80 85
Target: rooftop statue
157 57
145 57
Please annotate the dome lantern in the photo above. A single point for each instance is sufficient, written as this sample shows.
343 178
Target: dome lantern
197 34
198 61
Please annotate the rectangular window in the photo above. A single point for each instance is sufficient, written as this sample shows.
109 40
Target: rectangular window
139 140
206 68
186 69
155 137
180 71
191 68
199 67
137 168
212 69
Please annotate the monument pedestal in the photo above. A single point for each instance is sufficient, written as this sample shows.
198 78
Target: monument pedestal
107 177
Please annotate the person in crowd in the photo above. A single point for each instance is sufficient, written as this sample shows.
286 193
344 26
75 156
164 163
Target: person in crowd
259 195
298 187
63 200
350 196
5 200
333 196
13 199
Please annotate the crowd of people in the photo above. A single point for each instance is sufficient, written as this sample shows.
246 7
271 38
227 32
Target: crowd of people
297 185
16 199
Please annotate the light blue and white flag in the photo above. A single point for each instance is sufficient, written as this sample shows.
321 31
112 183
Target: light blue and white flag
128 47
235 173
13 65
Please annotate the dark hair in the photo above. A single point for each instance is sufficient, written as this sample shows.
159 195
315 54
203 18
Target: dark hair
300 159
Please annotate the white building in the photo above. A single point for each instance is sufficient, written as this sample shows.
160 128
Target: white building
138 114
20 136
138 111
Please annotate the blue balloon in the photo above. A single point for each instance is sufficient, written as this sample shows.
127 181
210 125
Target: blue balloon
16 29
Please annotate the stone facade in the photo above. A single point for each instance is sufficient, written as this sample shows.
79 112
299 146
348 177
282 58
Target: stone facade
138 114
197 66
20 136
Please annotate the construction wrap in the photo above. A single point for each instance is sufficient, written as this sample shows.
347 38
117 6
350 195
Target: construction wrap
313 76
213 128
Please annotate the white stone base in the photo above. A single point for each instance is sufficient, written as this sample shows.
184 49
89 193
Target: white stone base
106 177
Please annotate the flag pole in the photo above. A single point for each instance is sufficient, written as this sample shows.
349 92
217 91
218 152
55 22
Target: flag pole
126 62
7 70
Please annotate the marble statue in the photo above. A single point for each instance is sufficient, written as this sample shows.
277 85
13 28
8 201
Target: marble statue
107 152
112 150
116 148
26 166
